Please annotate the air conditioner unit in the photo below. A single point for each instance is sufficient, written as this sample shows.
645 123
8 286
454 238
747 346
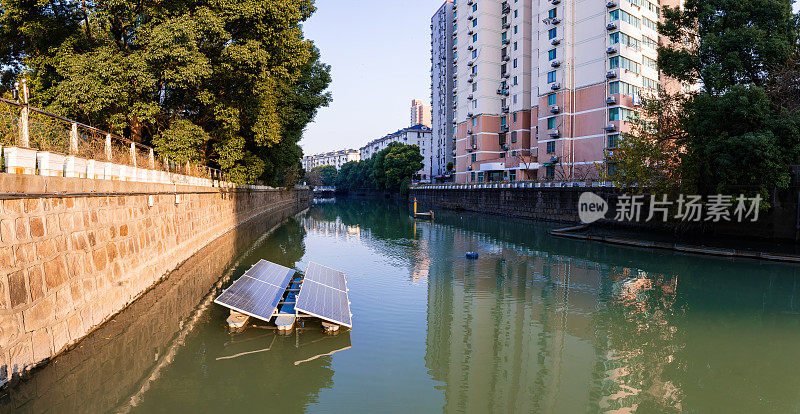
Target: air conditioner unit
469 97
470 17
505 109
555 109
611 74
611 26
554 133
506 58
469 3
470 79
554 2
611 4
505 92
474 146
504 128
470 47
555 20
500 91
506 75
470 63
611 50
455 19
611 128
469 167
555 86
554 158
471 32
455 47
469 131
611 100
469 115
555 63
504 147
555 42
506 25
506 41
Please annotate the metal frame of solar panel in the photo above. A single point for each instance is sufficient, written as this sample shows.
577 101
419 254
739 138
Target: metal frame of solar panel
258 291
324 295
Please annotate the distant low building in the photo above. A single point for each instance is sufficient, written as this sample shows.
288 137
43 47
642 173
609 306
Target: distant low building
419 135
334 158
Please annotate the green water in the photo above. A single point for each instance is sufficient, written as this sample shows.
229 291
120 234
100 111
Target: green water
535 324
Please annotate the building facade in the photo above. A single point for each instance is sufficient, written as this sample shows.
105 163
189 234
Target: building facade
420 113
543 90
442 140
334 158
419 135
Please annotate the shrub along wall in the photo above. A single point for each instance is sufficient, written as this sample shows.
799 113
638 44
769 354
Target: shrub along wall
74 252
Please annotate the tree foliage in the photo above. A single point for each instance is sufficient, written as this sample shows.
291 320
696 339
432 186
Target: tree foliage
388 169
232 83
738 128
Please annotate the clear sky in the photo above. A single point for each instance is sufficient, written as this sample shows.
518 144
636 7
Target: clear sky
379 52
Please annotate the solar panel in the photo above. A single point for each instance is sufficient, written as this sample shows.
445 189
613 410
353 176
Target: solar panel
324 295
258 291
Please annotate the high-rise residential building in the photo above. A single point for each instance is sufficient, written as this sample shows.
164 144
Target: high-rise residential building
542 90
420 113
442 141
334 158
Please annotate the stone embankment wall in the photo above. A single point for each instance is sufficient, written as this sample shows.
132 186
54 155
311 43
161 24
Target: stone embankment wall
560 204
74 252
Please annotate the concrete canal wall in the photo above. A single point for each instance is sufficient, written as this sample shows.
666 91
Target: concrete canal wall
560 204
74 252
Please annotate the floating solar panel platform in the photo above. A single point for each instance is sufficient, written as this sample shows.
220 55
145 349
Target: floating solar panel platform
258 291
324 295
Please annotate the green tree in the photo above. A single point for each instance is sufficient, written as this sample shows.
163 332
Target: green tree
328 174
400 163
241 72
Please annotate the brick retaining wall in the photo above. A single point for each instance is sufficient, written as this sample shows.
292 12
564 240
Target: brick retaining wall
74 252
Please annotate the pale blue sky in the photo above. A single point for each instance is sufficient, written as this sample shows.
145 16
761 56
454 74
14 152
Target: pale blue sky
379 52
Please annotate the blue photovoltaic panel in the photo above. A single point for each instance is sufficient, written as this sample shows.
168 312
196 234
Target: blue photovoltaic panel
326 276
271 273
258 291
324 294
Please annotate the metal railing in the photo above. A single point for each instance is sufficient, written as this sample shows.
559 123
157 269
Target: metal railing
514 184
26 126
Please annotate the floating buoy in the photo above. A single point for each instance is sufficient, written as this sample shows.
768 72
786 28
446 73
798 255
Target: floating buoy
472 255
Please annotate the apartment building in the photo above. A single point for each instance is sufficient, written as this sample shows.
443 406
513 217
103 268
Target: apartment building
419 135
420 113
443 139
334 158
544 89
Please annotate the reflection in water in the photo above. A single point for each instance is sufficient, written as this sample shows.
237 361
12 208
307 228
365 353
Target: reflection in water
536 324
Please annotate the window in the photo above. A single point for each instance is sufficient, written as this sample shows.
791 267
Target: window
649 83
550 172
551 54
515 45
624 63
621 114
515 98
623 88
552 13
475 69
474 86
649 24
551 34
551 147
515 29
512 175
551 99
515 80
504 36
648 42
474 54
474 157
474 122
472 176
514 133
551 76
475 37
613 141
475 22
480 176
503 121
515 14
515 62
630 41
613 38
619 14
475 7
475 104
650 63
514 119
551 123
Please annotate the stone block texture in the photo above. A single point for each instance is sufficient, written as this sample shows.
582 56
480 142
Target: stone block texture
72 259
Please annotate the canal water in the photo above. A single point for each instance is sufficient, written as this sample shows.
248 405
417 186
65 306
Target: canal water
535 324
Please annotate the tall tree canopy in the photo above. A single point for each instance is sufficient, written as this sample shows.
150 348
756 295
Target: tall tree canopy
231 83
735 129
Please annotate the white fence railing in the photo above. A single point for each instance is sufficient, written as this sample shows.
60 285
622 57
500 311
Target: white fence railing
513 184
